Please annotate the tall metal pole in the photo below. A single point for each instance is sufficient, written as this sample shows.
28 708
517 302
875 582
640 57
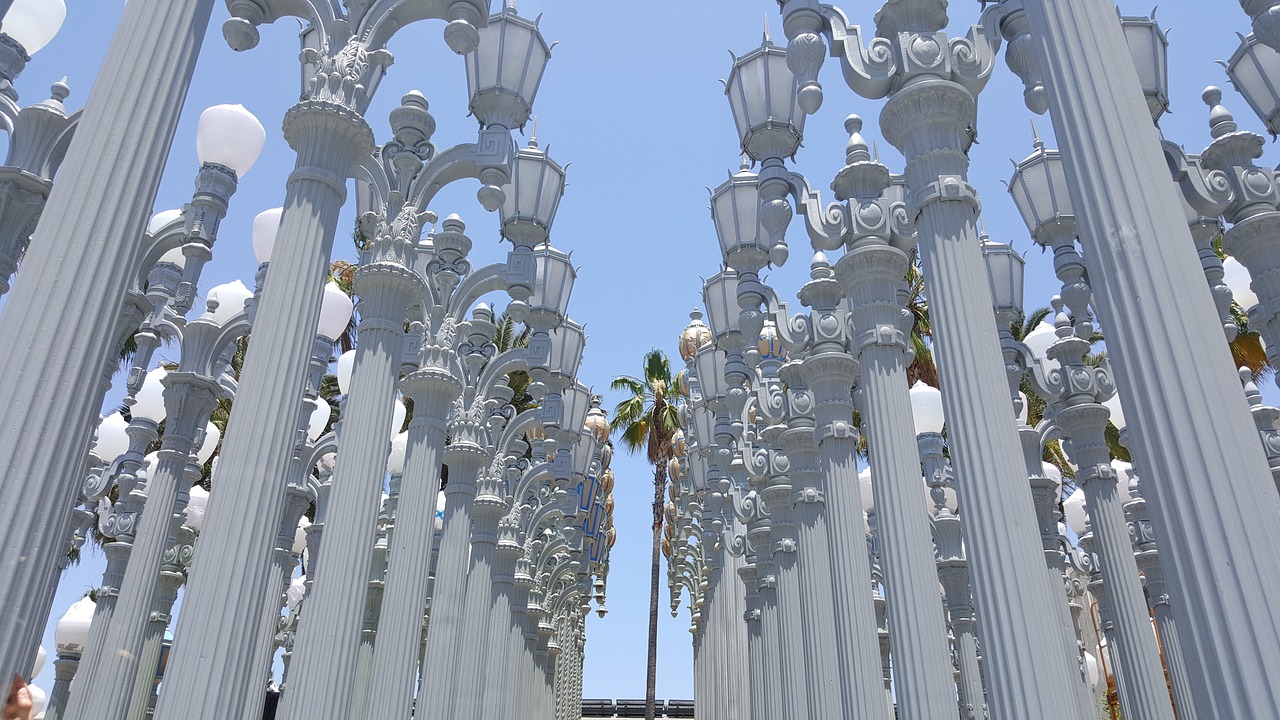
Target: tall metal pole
210 669
1189 419
108 183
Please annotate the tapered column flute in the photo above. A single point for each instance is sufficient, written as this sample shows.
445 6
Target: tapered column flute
873 274
107 182
930 122
208 669
330 630
1128 217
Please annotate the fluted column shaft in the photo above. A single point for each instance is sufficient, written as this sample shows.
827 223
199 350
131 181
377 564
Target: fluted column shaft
831 375
329 633
64 671
449 600
473 679
1047 496
1147 556
755 641
1129 219
1133 650
929 122
168 583
954 576
813 592
923 681
362 685
105 692
209 669
122 524
783 591
734 663
274 596
501 663
408 573
108 182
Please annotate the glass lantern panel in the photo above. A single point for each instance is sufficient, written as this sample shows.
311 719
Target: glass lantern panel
782 91
709 363
1140 34
567 344
1254 70
720 294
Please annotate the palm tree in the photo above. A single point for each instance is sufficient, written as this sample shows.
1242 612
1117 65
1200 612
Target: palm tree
922 367
647 421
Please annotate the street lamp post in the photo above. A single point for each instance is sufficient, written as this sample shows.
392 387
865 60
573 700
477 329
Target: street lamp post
344 58
108 181
931 83
1075 392
1115 174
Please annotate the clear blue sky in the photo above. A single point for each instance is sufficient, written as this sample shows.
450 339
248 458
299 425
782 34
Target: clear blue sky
632 100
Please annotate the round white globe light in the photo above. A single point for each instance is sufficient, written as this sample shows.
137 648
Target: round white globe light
926 408
265 227
33 23
229 135
399 444
72 632
345 366
335 312
113 438
1074 510
319 419
150 399
212 436
162 218
864 484
196 506
231 298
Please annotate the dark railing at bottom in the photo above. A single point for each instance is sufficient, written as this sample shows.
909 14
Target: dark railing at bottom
635 708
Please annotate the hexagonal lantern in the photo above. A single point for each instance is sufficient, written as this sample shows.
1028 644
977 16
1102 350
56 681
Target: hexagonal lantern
764 97
505 70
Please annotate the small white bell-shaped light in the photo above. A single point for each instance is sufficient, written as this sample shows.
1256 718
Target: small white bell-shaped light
505 69
296 592
720 294
150 399
300 536
345 366
1122 469
229 135
197 504
532 197
1237 278
864 485
33 23
162 218
212 436
1074 510
265 227
1038 342
440 505
72 632
395 460
926 408
42 656
1254 70
1052 472
735 210
319 419
113 440
1117 411
335 312
231 298
764 97
398 414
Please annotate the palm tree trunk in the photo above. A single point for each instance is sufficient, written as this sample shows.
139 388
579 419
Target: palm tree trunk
650 694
